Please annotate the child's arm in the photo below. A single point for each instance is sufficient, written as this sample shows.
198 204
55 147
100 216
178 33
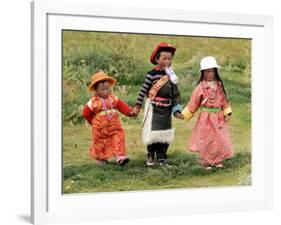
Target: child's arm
193 104
176 102
227 111
124 108
143 92
88 113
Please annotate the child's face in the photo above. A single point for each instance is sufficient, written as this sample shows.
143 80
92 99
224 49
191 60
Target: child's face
102 89
165 59
209 74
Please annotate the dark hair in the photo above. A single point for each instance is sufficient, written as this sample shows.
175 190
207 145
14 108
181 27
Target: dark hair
162 50
100 82
217 77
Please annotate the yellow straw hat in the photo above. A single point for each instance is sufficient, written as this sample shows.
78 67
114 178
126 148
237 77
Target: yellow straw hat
101 76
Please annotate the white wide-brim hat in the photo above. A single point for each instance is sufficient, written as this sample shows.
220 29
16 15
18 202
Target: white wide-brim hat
208 63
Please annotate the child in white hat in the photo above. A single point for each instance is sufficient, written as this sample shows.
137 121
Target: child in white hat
210 136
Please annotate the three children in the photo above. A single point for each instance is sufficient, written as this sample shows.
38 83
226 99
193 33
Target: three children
210 136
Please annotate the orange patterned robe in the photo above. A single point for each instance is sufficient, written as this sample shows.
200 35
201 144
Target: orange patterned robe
108 137
210 136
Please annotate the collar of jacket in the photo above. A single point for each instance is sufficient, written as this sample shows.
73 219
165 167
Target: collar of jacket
157 68
205 84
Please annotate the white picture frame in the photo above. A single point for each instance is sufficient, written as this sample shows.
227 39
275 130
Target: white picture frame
49 205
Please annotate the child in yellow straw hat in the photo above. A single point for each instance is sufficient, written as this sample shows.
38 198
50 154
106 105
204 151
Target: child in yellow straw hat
108 136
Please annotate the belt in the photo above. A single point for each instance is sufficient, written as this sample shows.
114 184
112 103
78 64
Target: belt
160 101
212 110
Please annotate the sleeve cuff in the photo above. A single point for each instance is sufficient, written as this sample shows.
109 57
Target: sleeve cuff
89 104
227 111
176 108
187 114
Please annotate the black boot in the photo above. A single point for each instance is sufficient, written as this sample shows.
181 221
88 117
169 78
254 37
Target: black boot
161 154
150 160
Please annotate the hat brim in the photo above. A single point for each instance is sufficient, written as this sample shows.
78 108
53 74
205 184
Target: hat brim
111 80
161 48
210 68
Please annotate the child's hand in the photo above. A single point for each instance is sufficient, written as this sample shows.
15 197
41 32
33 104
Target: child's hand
132 114
179 115
227 118
136 111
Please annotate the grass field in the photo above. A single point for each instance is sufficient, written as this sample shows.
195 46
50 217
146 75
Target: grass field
82 175
126 58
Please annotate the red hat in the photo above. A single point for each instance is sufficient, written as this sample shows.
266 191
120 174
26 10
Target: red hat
162 46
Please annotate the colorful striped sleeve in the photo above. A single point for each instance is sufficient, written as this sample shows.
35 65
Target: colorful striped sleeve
144 89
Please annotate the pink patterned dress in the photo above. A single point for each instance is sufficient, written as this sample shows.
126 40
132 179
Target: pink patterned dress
210 136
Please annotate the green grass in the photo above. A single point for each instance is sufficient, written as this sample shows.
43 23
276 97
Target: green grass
82 175
126 58
185 173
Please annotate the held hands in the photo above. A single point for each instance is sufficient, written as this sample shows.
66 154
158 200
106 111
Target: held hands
179 115
135 112
227 118
132 114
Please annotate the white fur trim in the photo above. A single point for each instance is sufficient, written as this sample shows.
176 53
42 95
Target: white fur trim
154 136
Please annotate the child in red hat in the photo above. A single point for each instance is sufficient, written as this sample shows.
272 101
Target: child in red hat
108 137
163 99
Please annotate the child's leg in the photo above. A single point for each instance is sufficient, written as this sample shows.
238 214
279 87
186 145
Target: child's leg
122 160
97 148
151 149
97 153
116 145
161 152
